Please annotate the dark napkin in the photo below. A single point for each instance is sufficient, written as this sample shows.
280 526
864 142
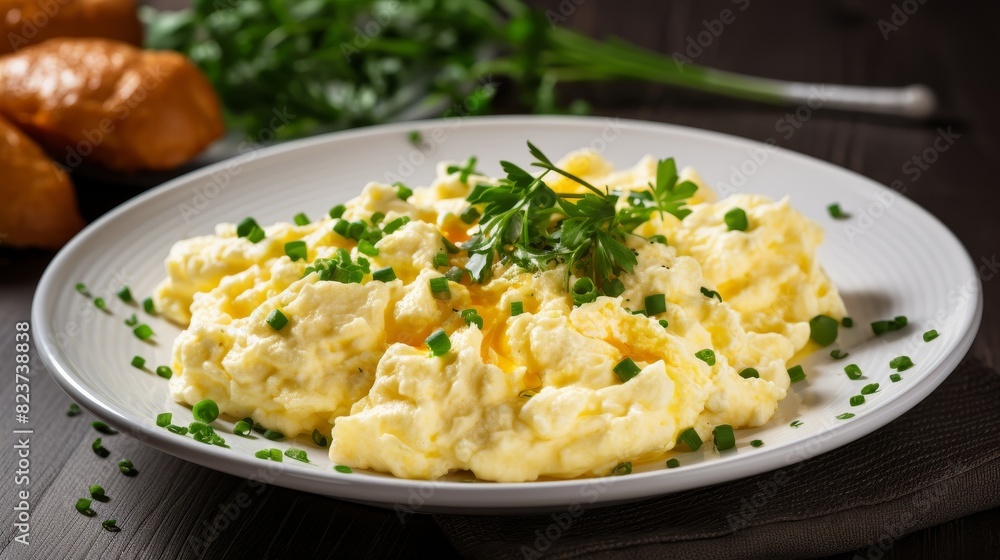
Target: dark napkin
935 463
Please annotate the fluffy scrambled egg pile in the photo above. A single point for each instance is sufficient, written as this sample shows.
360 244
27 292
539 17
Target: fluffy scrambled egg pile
527 395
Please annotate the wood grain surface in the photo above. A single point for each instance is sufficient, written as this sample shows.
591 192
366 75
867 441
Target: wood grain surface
948 46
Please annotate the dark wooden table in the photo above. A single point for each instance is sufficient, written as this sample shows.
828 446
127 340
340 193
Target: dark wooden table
948 47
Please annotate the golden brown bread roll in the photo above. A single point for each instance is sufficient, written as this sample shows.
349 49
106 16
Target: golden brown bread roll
39 206
109 103
27 22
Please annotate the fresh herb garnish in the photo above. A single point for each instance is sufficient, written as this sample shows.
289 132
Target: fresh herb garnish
622 469
930 335
724 437
901 363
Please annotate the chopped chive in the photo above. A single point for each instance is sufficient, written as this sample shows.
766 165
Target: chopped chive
341 227
163 419
143 332
83 506
470 215
655 304
657 239
845 416
901 363
471 316
301 219
516 308
241 428
438 343
440 259
275 454
386 274
736 220
439 288
673 463
376 218
125 294
869 389
96 492
901 321
823 330
724 437
450 247
852 371
99 449
456 275
756 443
847 322
882 327
73 410
895 378
640 312
256 235
100 304
148 306
663 323
836 212
273 435
103 428
396 224
164 372
622 469
711 293
750 373
111 525
584 291
263 454
707 355
244 228
296 250
276 320
836 354
319 439
132 321
138 362
343 469
402 191
337 211
796 374
526 394
197 427
857 400
796 423
613 287
930 335
355 229
297 454
205 410
179 430
690 438
365 247
626 369
82 288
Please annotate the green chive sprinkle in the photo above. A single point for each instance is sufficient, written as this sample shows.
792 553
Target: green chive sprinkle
241 428
402 191
613 287
163 419
111 525
73 410
626 369
655 304
319 439
263 454
296 250
456 275
82 288
584 291
143 332
376 218
471 316
836 354
835 212
438 343
164 372
470 215
823 330
526 394
857 400
852 371
125 294
103 428
882 327
83 506
205 410
273 435
365 247
439 288
96 492
749 373
276 320
341 227
256 235
756 443
244 228
736 220
657 239
148 306
711 294
386 274
396 224
301 219
337 211
132 321
663 323
901 321
138 362
99 449
690 438
297 454
516 308
895 378
847 322
845 416
440 259
622 469
343 469
796 374
179 430
275 454
706 355
796 423
869 389
930 335
100 304
673 463
901 363
724 437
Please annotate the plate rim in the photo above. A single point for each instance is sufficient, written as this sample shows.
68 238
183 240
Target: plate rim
449 495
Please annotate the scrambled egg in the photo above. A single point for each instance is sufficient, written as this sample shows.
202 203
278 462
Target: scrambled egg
526 396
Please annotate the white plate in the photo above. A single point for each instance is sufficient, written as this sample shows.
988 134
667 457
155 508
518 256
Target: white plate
890 258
